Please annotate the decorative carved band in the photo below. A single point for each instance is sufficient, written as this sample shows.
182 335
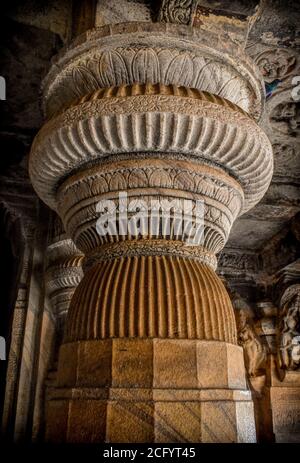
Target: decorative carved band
148 121
149 179
63 270
151 247
154 89
60 277
124 54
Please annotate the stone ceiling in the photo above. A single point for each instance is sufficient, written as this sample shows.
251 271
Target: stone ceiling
33 34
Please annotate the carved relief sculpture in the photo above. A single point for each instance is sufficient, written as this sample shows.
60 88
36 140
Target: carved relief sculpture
254 350
289 329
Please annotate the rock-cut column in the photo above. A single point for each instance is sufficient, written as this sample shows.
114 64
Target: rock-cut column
162 113
63 272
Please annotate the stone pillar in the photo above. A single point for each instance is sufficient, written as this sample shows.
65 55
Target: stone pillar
62 276
164 113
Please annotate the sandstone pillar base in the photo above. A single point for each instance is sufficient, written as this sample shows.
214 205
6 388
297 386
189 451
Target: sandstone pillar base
150 390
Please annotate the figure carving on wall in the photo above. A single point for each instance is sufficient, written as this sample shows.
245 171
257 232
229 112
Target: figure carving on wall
289 329
254 351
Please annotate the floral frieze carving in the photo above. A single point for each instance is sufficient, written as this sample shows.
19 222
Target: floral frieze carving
154 53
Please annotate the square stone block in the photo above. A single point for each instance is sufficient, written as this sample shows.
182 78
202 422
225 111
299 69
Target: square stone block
132 363
220 365
67 365
212 364
236 367
87 421
130 421
174 363
94 363
177 422
218 422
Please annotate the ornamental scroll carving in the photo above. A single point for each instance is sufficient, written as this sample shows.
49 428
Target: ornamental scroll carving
177 11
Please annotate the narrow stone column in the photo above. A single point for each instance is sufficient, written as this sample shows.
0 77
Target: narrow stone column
150 351
62 276
63 273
